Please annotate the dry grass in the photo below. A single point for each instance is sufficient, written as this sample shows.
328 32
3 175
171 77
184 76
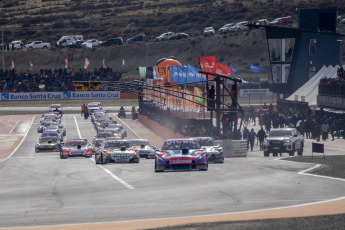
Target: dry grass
49 19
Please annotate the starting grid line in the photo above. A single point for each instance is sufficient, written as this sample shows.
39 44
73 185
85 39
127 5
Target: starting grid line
124 183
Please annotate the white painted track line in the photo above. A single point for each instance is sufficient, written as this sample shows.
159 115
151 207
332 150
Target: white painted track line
124 183
20 142
14 127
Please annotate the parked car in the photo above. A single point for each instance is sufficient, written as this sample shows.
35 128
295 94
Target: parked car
64 41
164 36
75 44
138 38
209 31
90 43
113 41
262 22
242 25
227 28
38 45
16 45
179 36
282 21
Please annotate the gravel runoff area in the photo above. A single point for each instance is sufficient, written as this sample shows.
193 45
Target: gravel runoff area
332 166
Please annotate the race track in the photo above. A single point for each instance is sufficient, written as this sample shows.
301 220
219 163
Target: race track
42 189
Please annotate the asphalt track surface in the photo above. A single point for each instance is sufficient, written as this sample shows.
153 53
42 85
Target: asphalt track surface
40 189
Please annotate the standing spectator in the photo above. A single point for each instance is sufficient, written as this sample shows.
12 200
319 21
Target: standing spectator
308 128
333 127
261 137
251 139
245 134
325 130
82 109
302 128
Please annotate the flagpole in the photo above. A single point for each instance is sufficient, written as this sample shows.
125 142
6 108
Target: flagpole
3 49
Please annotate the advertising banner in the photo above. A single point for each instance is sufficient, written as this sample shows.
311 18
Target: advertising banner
255 93
36 96
92 95
41 96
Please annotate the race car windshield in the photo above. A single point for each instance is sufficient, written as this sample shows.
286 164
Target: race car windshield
206 142
108 134
139 142
116 145
53 127
55 106
280 133
49 134
99 143
180 146
75 143
52 140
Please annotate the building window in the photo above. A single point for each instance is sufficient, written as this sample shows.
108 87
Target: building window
276 74
312 49
288 46
275 49
281 50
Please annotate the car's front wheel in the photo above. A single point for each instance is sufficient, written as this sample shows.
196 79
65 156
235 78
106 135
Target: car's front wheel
292 152
266 153
300 152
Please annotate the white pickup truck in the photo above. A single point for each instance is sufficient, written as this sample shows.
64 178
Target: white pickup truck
38 45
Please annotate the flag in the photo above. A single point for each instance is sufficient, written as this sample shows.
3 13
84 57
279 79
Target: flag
66 63
254 68
12 65
207 64
182 74
234 69
104 66
123 62
31 65
222 69
86 63
142 72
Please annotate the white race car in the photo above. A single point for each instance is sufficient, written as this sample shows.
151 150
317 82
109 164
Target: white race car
214 152
145 149
118 151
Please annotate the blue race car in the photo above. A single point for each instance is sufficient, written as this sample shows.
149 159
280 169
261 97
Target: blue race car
181 154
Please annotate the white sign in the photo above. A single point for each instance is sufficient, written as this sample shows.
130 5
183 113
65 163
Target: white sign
92 95
32 96
255 93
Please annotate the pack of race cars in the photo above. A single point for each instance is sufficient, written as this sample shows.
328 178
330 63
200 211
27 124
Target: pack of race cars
110 146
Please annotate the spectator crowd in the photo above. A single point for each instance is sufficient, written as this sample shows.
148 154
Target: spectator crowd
51 80
334 87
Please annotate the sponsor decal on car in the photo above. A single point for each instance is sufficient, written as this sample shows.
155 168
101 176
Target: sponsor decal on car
180 161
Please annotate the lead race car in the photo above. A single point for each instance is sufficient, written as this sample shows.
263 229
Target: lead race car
76 148
118 151
214 152
48 143
181 154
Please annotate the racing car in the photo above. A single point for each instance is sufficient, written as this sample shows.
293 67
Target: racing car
76 148
48 143
52 133
214 152
145 149
181 154
118 151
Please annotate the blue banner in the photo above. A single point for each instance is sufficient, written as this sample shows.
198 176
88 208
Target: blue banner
254 69
234 69
182 74
195 75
